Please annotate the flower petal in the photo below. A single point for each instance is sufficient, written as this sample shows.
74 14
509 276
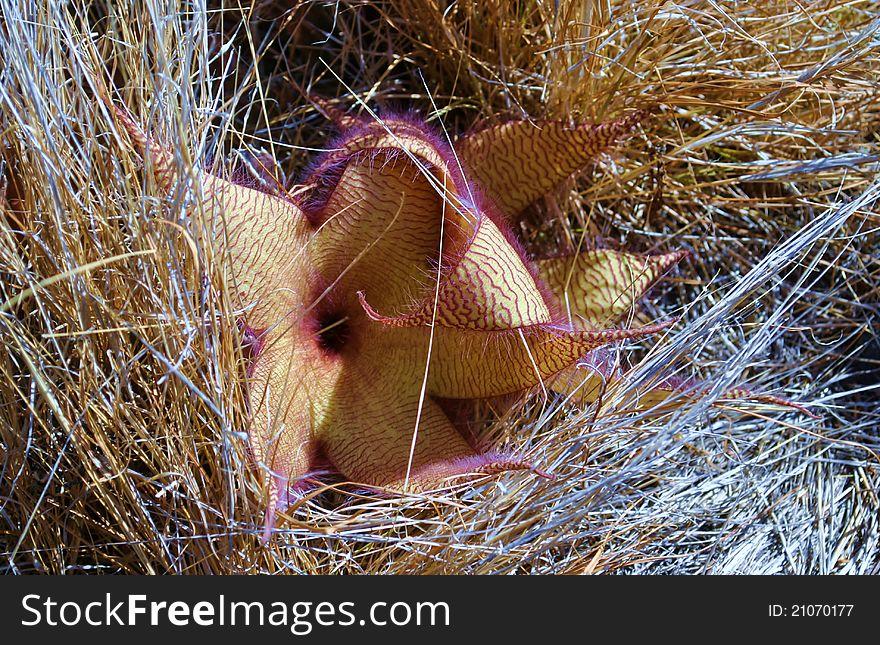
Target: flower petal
598 287
283 398
380 229
483 364
367 432
469 364
517 162
259 229
408 138
264 236
341 118
289 387
489 287
161 157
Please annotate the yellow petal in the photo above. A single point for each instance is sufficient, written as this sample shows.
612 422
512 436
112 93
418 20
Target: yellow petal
517 162
475 364
367 432
263 234
379 230
489 287
599 287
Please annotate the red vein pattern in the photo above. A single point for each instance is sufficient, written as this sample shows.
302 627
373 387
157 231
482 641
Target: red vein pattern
599 287
517 162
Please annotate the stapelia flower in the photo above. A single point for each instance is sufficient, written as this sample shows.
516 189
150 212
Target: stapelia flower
397 283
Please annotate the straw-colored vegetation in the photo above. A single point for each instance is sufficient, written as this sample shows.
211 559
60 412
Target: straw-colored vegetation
122 405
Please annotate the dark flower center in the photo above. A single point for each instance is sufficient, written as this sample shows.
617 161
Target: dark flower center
333 331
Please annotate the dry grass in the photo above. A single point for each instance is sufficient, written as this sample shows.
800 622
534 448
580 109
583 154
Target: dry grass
122 406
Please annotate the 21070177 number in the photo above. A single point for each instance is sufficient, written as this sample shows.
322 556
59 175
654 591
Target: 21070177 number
798 611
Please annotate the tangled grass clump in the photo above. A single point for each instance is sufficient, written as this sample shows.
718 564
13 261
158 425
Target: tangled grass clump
124 410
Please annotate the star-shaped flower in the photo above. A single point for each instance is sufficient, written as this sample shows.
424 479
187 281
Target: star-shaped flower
398 283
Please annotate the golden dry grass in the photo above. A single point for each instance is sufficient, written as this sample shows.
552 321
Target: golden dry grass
122 415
